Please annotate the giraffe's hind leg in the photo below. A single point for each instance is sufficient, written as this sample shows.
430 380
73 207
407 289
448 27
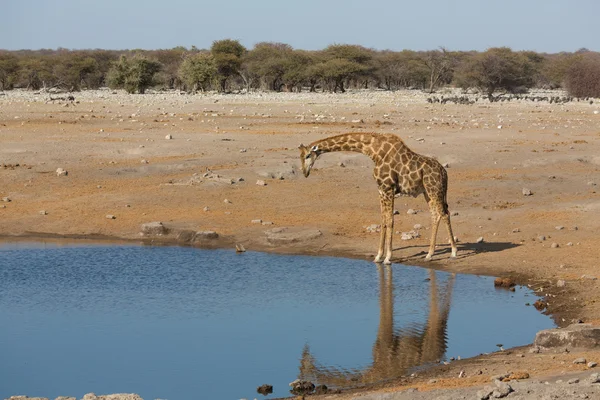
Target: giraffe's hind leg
435 223
446 218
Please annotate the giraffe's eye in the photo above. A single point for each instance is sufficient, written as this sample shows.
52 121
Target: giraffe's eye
307 156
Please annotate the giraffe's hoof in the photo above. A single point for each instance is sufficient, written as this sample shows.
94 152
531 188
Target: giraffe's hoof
428 257
377 260
387 262
453 254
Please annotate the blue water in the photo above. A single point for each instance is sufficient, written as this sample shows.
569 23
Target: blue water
181 323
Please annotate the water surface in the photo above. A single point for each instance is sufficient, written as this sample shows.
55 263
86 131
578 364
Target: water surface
183 323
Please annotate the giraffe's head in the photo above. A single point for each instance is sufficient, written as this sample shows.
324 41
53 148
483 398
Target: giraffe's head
308 157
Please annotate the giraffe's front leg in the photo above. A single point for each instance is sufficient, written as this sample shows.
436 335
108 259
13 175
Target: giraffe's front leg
386 198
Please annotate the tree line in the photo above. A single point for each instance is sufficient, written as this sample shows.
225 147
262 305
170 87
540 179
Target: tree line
229 66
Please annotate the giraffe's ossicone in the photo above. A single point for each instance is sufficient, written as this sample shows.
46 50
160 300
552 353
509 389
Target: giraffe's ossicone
398 170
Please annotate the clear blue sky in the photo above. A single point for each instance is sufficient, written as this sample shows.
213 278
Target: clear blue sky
539 25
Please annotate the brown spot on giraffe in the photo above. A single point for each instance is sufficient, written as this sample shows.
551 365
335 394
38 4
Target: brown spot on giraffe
398 170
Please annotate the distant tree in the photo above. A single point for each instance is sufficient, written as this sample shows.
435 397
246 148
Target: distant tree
554 69
343 62
35 72
227 54
197 71
72 70
171 60
9 67
297 64
134 74
401 69
268 62
496 69
441 64
582 79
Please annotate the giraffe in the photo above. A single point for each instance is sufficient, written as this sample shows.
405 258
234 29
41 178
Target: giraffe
398 171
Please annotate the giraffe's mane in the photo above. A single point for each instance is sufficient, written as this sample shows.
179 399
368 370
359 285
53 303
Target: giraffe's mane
375 135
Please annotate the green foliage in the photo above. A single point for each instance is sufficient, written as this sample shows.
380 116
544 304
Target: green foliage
401 69
75 71
197 71
496 69
441 64
343 62
34 73
9 68
134 74
227 54
582 79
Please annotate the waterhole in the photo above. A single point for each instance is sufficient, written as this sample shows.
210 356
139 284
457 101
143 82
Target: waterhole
183 323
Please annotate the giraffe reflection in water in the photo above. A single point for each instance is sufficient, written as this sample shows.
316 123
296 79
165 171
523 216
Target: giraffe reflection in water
395 351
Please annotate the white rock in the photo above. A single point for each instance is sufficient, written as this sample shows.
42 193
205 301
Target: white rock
61 172
261 183
169 137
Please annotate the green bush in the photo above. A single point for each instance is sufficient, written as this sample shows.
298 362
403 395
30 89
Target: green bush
197 71
134 74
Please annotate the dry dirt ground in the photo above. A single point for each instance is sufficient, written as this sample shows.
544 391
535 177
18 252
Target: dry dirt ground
119 163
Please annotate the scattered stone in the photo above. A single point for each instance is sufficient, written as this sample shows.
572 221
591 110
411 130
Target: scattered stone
43 212
261 183
590 277
321 389
144 161
61 172
301 388
411 211
479 240
110 216
227 201
205 235
535 350
186 235
461 374
540 305
554 245
373 228
559 227
265 389
239 248
594 378
256 221
432 381
206 209
169 137
279 236
503 389
118 396
6 199
560 283
569 244
572 381
579 360
154 228
574 336
592 364
396 212
504 282
410 235
527 192
266 223
541 238
417 226
516 230
454 213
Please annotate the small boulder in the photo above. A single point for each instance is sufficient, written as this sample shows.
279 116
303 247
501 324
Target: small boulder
301 387
61 172
574 336
579 360
527 192
265 389
153 228
110 216
411 211
206 235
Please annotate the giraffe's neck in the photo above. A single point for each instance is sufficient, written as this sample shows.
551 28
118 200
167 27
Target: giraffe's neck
356 142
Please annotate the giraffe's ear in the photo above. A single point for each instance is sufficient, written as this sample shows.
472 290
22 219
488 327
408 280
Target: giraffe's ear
301 146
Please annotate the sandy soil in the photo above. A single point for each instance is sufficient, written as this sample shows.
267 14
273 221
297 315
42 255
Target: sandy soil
119 163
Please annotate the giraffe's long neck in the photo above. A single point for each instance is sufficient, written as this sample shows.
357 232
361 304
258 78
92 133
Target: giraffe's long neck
356 142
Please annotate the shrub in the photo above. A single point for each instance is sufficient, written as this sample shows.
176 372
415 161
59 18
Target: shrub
582 79
133 74
197 71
